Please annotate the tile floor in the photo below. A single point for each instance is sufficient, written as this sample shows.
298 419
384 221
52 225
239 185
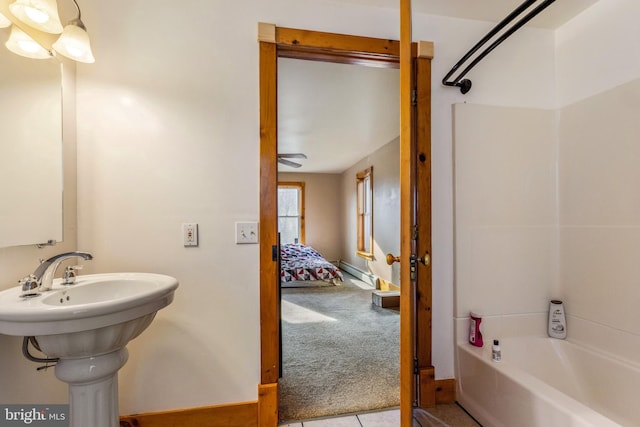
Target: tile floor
441 416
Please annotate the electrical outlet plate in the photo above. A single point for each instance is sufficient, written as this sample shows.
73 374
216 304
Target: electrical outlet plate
246 232
190 234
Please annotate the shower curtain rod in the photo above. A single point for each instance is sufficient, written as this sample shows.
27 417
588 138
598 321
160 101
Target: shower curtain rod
465 84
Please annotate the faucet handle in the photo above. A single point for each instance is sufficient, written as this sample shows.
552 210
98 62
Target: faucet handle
69 277
28 284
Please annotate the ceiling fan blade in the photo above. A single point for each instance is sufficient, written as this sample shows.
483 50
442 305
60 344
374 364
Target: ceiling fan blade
292 156
289 163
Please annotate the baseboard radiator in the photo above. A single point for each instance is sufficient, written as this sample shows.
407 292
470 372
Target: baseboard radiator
366 277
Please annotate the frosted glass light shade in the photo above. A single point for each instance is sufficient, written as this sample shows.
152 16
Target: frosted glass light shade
39 14
21 44
74 44
4 22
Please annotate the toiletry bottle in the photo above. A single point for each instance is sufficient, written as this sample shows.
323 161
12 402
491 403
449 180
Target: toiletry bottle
557 321
475 335
496 353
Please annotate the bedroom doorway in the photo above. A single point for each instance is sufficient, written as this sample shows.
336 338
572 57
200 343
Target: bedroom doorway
415 325
340 353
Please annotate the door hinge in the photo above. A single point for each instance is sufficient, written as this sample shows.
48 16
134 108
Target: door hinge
416 369
414 97
274 253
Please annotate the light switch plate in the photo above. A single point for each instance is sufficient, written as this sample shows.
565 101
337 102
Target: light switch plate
246 232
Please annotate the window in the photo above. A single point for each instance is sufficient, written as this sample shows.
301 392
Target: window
364 194
291 212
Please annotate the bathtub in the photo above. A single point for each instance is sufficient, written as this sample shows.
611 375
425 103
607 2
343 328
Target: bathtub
545 382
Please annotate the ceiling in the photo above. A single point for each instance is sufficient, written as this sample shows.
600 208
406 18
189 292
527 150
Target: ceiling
336 114
555 16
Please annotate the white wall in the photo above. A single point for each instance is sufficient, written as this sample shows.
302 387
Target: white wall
596 50
168 133
323 229
386 211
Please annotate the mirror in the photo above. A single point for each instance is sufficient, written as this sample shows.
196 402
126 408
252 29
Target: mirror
30 150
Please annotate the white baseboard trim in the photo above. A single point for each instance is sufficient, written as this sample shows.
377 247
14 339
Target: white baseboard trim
366 277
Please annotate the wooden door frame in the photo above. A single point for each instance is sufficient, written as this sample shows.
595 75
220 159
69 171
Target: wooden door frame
275 42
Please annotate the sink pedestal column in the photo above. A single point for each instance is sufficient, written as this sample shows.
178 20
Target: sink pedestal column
93 388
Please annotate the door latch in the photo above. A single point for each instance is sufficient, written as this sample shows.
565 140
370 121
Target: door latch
413 264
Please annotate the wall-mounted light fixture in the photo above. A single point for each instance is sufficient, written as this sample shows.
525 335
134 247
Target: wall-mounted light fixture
39 14
22 44
4 21
34 17
74 41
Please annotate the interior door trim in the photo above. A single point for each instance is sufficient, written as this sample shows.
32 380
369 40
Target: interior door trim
277 42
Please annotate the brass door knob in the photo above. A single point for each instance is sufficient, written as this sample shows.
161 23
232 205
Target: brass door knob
426 259
391 259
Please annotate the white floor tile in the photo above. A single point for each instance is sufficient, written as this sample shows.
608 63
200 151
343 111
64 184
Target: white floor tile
391 418
380 419
351 421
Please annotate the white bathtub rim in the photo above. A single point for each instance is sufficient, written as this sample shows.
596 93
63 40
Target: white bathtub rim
603 353
528 381
486 350
587 348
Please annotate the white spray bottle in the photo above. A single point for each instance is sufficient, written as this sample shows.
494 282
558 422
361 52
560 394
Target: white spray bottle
496 353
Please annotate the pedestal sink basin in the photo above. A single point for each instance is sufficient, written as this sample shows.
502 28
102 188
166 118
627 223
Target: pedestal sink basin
87 326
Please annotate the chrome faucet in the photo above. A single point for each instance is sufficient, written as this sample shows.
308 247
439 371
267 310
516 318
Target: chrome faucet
43 276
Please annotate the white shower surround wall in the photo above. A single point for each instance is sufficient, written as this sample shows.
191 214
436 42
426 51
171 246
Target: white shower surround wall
505 210
511 248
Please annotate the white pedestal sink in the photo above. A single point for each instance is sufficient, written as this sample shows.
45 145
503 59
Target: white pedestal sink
87 326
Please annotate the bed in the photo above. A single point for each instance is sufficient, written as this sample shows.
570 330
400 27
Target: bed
302 263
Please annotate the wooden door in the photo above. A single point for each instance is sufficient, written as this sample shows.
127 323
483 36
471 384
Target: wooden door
417 377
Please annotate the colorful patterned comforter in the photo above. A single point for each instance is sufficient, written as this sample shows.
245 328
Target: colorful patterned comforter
300 262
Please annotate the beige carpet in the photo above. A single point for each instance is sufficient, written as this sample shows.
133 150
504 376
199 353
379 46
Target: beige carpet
340 352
